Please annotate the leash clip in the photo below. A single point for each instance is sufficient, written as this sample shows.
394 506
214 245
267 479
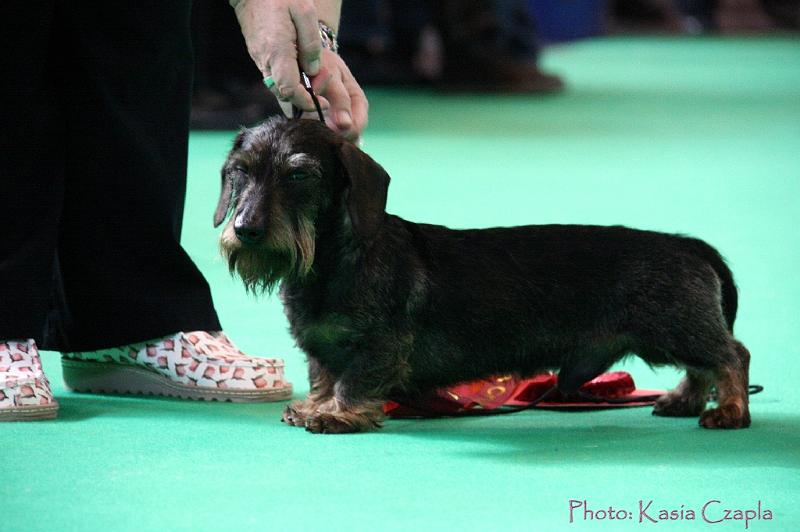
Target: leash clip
296 111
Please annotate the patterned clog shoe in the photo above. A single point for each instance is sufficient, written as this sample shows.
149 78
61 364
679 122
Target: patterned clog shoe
193 365
24 389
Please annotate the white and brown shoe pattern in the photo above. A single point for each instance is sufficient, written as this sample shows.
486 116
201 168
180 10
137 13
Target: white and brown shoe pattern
24 389
192 365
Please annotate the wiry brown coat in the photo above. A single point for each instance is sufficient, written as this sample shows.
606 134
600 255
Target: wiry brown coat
386 308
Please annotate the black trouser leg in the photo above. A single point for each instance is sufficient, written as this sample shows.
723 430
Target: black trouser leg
31 167
126 277
124 77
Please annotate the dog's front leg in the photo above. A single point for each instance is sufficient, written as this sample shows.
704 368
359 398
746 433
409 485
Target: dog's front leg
321 390
359 395
339 416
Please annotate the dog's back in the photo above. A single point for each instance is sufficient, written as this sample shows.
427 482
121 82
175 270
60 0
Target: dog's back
529 298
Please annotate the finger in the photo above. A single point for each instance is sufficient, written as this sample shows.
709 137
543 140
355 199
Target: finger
309 44
287 109
313 115
359 105
324 104
337 95
319 83
287 88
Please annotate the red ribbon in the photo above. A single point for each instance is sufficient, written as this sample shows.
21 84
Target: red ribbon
489 394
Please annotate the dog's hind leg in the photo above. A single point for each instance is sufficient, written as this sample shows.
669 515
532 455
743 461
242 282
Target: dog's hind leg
696 334
321 391
732 380
688 399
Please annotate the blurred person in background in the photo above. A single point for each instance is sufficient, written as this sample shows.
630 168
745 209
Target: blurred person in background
472 45
456 45
702 16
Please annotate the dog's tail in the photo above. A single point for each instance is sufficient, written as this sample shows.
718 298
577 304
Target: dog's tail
730 295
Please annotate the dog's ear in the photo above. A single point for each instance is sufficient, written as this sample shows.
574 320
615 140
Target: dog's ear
369 186
224 202
226 192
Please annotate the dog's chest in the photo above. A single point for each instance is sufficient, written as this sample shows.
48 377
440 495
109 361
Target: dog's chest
323 336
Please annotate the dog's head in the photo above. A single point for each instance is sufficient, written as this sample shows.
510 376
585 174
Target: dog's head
287 183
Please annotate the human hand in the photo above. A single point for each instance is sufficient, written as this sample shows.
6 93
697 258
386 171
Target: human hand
345 105
281 33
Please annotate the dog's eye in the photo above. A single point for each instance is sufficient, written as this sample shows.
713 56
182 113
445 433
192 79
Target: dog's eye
241 169
299 175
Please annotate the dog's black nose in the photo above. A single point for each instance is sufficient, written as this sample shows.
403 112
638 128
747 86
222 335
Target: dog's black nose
248 234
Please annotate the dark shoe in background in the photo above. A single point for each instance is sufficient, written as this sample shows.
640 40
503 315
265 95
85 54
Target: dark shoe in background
498 75
491 47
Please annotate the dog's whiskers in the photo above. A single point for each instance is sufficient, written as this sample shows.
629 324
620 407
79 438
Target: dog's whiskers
232 255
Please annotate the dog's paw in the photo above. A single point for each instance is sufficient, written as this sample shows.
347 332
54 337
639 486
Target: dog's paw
675 405
295 414
725 417
322 423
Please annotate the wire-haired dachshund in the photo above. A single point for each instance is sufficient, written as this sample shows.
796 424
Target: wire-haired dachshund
390 309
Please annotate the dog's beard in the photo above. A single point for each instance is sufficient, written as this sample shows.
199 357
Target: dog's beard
288 254
259 269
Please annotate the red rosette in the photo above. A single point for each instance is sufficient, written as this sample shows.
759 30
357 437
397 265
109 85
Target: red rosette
610 385
615 389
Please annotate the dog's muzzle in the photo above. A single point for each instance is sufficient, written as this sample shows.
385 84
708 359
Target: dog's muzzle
248 231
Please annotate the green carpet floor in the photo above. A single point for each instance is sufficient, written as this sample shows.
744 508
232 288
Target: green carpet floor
693 136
